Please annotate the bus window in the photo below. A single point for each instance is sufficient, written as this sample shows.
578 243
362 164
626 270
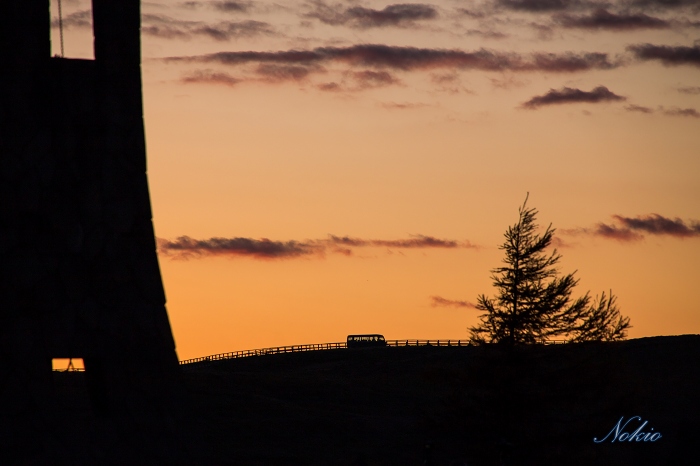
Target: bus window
363 341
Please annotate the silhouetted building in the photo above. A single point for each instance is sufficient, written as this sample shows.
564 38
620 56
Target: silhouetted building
79 271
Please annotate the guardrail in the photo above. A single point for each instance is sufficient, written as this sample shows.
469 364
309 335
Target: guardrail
316 347
264 351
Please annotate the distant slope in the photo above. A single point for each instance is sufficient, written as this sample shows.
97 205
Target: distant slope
539 405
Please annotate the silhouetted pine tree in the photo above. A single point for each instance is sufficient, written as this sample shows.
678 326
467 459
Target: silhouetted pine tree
533 304
601 321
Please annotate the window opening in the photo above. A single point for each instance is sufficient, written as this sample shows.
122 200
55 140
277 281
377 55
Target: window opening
68 364
72 29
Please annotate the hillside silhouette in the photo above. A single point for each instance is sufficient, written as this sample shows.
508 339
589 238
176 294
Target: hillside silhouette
478 405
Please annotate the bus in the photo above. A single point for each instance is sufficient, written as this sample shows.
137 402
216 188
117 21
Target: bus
366 341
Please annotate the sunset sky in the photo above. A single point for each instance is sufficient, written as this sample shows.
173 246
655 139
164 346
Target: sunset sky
325 168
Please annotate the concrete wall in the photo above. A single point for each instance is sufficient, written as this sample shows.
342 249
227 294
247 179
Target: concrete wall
79 275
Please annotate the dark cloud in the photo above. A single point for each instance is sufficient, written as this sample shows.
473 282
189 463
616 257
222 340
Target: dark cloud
398 15
628 229
358 81
419 241
474 14
638 108
537 6
683 112
333 15
569 95
227 30
185 247
170 28
665 4
544 31
412 58
166 27
265 72
392 15
210 77
277 73
445 78
165 32
371 79
668 55
78 20
603 19
547 6
235 7
487 34
330 87
225 6
655 224
673 111
693 90
570 62
439 301
613 232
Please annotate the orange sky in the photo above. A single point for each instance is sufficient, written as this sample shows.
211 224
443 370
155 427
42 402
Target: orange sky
415 130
